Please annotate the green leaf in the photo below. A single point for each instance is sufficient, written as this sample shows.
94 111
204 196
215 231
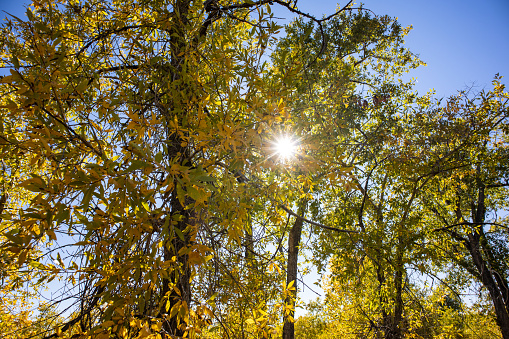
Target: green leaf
15 61
159 157
205 178
37 265
179 233
82 86
136 165
194 193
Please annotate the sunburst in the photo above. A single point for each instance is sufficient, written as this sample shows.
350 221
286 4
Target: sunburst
285 148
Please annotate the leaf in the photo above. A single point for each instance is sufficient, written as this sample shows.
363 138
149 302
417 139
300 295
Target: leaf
195 258
60 261
37 265
179 234
175 309
22 257
36 184
159 157
205 178
194 193
82 86
136 165
15 61
87 197
51 234
107 324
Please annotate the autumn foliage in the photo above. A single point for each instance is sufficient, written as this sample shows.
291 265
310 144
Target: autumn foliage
143 196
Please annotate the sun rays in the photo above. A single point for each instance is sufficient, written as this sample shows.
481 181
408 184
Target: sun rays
285 148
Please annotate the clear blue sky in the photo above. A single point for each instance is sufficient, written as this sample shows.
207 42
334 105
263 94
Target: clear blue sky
464 42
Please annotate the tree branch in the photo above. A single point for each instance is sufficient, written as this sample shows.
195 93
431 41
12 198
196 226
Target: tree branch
289 211
469 224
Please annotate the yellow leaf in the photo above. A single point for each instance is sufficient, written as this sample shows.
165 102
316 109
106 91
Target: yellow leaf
195 258
145 332
108 323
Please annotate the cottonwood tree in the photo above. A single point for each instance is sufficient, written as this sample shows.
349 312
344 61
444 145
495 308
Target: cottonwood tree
133 115
17 295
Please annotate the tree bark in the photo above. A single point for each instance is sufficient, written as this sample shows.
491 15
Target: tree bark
291 271
3 200
177 285
394 332
488 276
489 282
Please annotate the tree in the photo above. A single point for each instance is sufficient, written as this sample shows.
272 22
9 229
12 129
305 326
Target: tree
431 166
17 297
325 105
140 172
466 199
313 324
136 114
434 313
407 150
371 267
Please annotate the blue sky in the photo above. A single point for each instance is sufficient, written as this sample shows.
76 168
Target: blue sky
463 42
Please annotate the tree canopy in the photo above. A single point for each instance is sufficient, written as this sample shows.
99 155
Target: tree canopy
163 159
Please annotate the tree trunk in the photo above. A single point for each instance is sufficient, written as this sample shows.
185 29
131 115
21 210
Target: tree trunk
394 332
488 276
489 282
3 199
177 286
291 270
181 225
380 277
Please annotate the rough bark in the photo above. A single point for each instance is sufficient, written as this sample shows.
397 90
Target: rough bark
380 277
3 200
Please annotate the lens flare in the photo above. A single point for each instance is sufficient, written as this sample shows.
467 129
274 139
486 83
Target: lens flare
285 147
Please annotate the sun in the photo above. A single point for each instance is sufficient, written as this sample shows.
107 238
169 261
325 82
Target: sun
285 147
